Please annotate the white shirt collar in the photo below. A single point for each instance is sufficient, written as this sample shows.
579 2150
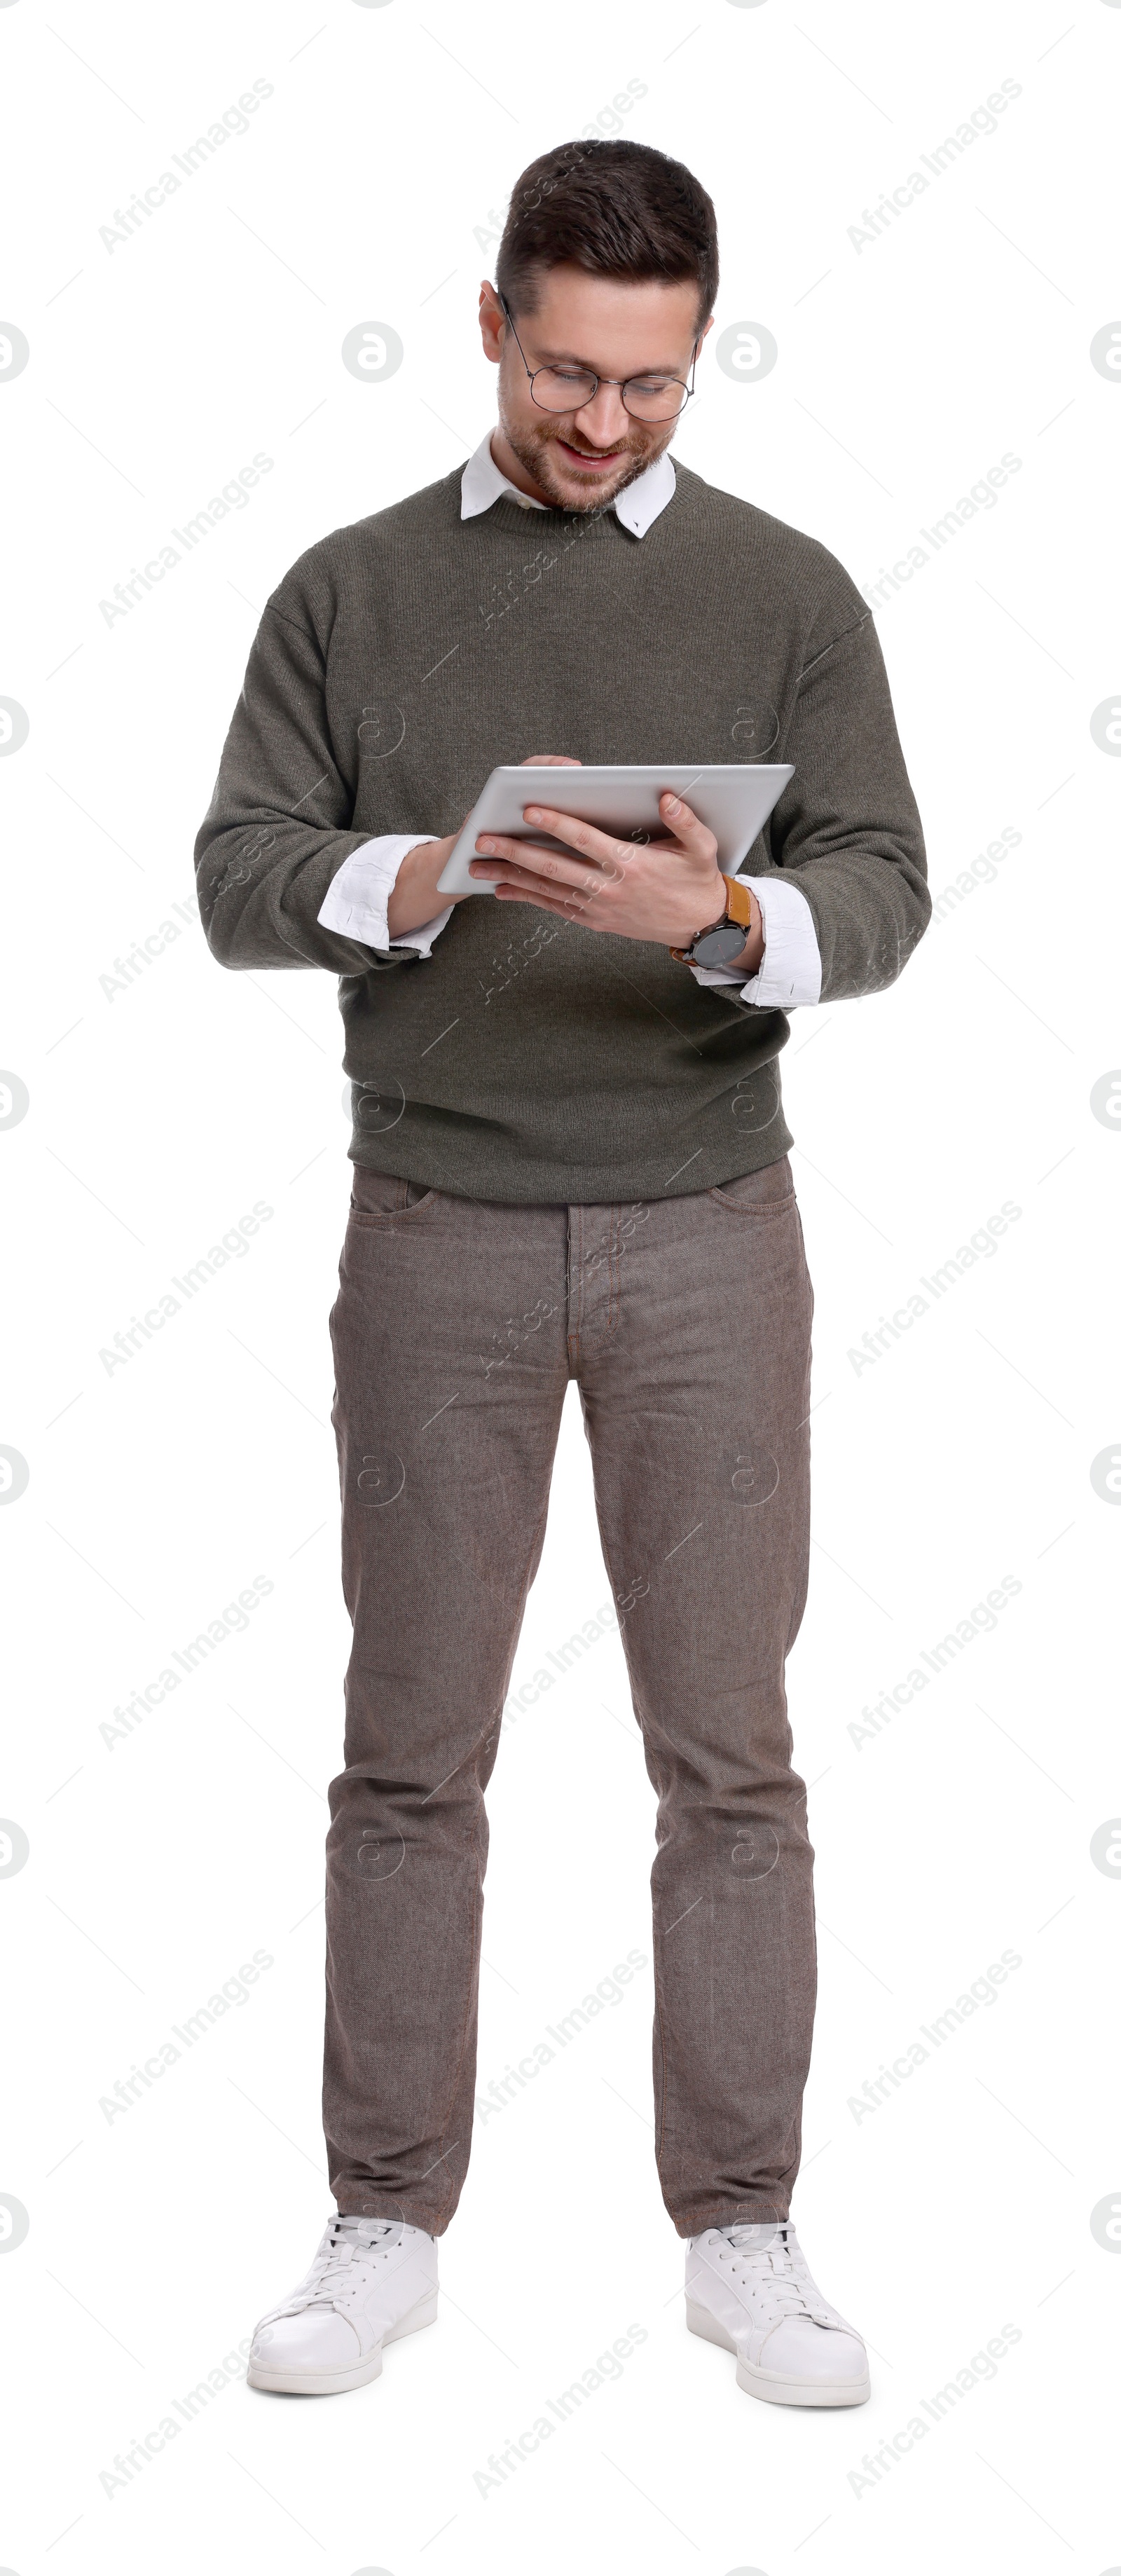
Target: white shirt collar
636 508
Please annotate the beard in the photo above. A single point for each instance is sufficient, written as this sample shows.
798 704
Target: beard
533 449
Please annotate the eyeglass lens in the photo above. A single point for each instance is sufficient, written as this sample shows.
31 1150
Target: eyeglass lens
567 389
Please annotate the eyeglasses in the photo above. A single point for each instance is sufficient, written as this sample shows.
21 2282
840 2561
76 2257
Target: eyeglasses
569 388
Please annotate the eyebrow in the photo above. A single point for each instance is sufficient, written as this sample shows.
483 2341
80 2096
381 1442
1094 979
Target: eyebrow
569 358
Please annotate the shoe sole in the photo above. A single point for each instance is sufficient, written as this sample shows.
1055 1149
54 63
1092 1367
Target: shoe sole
768 2384
330 2383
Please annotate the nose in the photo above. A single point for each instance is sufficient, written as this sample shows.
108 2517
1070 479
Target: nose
605 420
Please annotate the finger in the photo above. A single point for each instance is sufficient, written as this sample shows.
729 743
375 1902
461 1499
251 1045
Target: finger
549 760
561 889
507 874
599 846
541 902
599 849
694 835
548 864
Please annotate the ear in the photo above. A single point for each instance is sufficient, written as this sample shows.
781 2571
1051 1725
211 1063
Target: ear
492 322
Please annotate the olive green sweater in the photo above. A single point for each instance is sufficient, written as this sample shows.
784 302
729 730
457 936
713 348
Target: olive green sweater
397 663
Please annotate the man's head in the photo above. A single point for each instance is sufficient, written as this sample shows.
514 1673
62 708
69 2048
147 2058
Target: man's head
608 262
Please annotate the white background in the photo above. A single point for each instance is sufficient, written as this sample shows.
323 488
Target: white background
158 1114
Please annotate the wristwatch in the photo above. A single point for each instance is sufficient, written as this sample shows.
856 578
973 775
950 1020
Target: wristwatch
724 939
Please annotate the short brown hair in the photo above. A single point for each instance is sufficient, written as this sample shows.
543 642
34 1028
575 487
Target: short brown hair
612 207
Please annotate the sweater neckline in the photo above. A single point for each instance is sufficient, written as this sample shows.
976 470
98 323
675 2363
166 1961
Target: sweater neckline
594 526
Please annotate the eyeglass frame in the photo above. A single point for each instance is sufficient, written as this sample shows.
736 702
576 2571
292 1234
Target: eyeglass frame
621 381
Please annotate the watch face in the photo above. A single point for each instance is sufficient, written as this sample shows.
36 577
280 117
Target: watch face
718 947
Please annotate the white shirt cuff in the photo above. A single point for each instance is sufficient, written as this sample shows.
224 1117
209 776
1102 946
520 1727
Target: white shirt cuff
356 903
791 969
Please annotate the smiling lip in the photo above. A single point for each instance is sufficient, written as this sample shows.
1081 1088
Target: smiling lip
595 463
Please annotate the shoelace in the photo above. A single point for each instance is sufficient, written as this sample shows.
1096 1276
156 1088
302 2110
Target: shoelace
348 2239
780 2281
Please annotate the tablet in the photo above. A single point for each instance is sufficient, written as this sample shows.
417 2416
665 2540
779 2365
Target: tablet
732 797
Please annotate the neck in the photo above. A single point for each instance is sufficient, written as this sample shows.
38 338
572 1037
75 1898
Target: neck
512 467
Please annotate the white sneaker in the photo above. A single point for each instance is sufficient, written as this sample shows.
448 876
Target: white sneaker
372 2279
749 2289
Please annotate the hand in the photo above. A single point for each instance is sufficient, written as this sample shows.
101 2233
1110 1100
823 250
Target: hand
664 891
415 898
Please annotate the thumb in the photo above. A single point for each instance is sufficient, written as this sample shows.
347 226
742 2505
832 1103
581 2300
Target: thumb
685 823
687 827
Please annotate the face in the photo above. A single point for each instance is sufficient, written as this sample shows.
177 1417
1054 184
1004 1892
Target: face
581 459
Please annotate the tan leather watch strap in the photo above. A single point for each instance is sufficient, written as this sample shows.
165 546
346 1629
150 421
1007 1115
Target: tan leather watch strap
739 901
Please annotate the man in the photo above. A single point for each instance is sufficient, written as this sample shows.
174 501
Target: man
570 1160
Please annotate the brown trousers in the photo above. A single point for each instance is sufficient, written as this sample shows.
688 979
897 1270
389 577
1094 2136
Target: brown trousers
457 1327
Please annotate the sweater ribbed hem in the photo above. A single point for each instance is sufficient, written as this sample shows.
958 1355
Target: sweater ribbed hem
528 1183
